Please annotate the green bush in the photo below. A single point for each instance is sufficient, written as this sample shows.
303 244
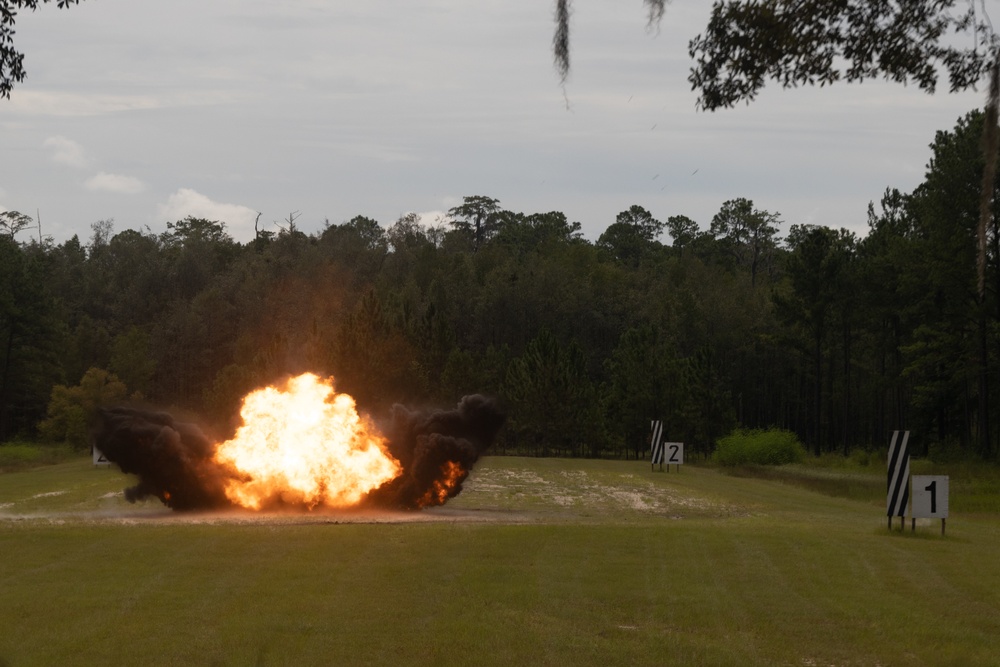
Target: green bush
758 447
71 409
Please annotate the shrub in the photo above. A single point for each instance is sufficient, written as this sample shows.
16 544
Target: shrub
71 408
758 447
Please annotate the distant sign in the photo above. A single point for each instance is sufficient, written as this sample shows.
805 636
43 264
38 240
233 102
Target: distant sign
656 442
929 497
99 458
673 453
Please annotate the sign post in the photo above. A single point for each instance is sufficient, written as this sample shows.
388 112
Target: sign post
898 488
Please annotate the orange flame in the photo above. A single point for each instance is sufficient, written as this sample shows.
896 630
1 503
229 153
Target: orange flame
304 444
452 475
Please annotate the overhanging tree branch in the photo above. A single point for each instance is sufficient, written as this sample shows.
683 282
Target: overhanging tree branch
810 42
11 60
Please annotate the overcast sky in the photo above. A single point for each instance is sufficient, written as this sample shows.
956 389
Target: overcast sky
147 111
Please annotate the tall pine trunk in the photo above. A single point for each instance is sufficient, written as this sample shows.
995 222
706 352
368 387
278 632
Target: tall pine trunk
990 149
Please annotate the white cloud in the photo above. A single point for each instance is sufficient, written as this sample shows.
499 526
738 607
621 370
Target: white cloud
68 152
433 218
105 182
187 202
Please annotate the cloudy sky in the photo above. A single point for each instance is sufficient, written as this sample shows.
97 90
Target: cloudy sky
147 111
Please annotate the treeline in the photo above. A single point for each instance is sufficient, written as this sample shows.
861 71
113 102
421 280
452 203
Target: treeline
838 338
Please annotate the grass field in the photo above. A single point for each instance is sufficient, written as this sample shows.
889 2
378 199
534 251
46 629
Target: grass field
538 562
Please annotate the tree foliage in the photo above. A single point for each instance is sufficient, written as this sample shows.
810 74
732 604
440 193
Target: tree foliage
748 236
835 338
632 235
71 410
11 60
477 217
13 222
747 43
553 396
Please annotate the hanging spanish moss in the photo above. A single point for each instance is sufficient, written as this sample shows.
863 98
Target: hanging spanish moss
560 43
656 9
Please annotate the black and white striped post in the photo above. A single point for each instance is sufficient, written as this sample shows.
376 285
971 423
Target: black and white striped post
656 444
898 478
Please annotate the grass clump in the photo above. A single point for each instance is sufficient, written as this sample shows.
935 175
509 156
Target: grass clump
769 447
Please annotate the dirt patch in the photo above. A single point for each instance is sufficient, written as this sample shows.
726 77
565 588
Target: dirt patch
49 494
149 515
583 492
509 491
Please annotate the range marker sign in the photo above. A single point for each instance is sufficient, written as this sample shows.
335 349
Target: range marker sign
673 454
898 477
98 456
930 497
656 442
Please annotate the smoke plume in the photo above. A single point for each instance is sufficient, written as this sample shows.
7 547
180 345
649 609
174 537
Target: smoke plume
426 442
172 459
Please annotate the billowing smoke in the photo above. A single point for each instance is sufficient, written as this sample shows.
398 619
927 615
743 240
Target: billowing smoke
425 443
174 461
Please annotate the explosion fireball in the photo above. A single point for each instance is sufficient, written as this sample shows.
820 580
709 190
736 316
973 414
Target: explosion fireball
302 445
306 445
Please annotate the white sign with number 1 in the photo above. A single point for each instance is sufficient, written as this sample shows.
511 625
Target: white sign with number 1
929 499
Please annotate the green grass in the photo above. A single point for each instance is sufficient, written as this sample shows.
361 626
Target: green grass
21 456
975 487
539 562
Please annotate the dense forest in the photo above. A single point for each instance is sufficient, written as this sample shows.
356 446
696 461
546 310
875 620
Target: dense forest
839 338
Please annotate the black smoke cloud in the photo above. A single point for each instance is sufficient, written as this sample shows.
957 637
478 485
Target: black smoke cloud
173 459
424 442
